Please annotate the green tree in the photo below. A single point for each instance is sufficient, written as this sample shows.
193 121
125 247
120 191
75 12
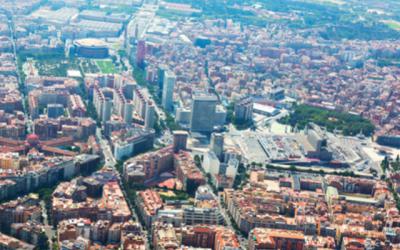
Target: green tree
43 242
349 124
197 161
385 164
396 164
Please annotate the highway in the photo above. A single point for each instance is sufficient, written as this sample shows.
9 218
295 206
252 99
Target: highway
262 123
142 19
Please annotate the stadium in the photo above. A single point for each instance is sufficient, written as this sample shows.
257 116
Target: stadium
91 48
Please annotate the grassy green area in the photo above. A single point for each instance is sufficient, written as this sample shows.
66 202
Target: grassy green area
349 124
140 77
168 15
393 166
337 2
335 21
312 171
177 195
241 177
170 122
383 61
106 66
89 67
219 9
159 125
392 24
51 65
45 194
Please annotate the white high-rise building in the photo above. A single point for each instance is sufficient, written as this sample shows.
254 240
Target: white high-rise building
211 163
107 109
168 90
149 119
217 144
128 112
203 112
232 168
103 103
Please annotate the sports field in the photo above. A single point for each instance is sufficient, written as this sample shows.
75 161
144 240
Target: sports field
392 24
106 66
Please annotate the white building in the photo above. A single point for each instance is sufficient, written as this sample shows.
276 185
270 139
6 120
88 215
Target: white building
150 117
168 90
232 168
211 163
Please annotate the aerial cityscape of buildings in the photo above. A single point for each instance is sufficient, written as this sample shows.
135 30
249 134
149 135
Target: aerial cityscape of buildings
221 125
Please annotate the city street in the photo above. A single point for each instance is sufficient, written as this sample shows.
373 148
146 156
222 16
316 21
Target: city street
50 232
106 149
109 161
147 124
242 240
